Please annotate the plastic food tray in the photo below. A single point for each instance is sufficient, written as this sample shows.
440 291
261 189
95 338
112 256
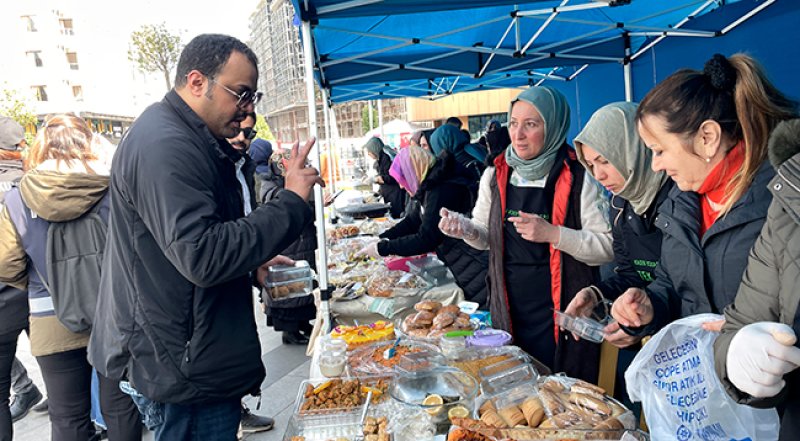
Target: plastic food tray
368 367
371 381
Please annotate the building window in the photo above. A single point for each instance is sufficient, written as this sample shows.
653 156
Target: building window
36 57
72 59
30 23
40 92
66 26
77 92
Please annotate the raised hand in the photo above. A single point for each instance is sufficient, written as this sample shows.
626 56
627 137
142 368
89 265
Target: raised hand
300 178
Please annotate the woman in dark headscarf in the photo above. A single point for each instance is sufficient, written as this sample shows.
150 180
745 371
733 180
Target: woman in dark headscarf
497 140
422 138
391 192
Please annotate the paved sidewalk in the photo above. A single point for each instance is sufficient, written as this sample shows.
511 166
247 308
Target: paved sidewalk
287 366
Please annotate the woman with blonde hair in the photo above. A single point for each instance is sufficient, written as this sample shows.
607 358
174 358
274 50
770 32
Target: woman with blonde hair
708 130
64 180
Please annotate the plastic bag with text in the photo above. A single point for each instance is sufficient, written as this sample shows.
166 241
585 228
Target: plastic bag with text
674 378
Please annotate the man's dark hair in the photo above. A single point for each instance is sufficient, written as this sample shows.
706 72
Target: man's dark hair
208 53
453 121
251 115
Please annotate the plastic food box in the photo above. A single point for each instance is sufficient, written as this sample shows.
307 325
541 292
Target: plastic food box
289 273
341 403
506 379
432 270
583 327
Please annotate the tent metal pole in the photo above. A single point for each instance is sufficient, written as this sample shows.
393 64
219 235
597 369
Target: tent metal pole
626 68
369 114
319 209
326 109
322 10
678 25
563 8
742 19
380 117
543 27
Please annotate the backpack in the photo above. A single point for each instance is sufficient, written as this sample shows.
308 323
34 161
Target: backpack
74 254
10 174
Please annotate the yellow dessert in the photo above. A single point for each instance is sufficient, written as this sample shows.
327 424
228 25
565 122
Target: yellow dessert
356 336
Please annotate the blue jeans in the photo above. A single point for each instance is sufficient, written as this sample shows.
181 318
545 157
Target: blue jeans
200 422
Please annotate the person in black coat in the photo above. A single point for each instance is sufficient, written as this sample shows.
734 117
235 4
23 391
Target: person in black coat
389 190
436 184
290 316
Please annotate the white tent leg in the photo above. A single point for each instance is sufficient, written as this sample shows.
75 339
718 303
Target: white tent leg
319 213
326 109
369 114
380 117
626 70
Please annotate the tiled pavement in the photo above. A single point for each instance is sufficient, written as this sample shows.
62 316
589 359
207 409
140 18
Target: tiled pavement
287 367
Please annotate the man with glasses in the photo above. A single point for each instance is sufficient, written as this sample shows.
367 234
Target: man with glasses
175 308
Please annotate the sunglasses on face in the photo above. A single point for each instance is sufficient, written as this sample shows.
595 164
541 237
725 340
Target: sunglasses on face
249 132
243 99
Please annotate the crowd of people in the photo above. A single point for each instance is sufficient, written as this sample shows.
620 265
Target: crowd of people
691 196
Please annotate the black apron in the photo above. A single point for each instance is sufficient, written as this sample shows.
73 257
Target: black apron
527 274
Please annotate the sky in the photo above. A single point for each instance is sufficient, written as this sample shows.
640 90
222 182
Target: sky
110 23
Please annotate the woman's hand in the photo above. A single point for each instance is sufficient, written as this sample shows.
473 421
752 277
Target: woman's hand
618 337
535 229
457 225
633 308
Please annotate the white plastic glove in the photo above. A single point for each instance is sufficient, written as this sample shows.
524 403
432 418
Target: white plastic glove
760 354
371 250
457 225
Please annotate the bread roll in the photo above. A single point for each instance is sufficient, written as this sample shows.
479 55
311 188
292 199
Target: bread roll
428 305
491 418
512 415
533 411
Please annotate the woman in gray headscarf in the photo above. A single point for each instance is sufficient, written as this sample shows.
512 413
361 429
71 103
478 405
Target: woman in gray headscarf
610 148
388 188
544 230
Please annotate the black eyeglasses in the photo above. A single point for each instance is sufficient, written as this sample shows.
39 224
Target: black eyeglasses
244 98
249 132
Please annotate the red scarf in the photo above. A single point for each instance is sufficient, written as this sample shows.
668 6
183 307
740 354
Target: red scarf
716 183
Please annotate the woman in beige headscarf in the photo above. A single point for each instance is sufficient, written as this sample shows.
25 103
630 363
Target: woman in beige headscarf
611 150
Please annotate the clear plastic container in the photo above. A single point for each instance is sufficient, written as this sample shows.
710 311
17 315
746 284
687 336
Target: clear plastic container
293 288
289 273
583 327
432 270
453 347
508 378
332 345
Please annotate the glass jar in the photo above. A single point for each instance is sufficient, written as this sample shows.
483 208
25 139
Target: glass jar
333 345
332 364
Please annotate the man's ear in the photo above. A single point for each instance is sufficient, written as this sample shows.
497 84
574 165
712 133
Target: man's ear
196 83
710 134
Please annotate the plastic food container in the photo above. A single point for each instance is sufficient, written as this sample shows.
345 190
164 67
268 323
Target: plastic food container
397 263
453 387
506 379
432 270
583 327
489 338
288 281
452 347
289 273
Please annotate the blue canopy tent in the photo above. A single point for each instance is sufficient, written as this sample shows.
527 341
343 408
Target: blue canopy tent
590 49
